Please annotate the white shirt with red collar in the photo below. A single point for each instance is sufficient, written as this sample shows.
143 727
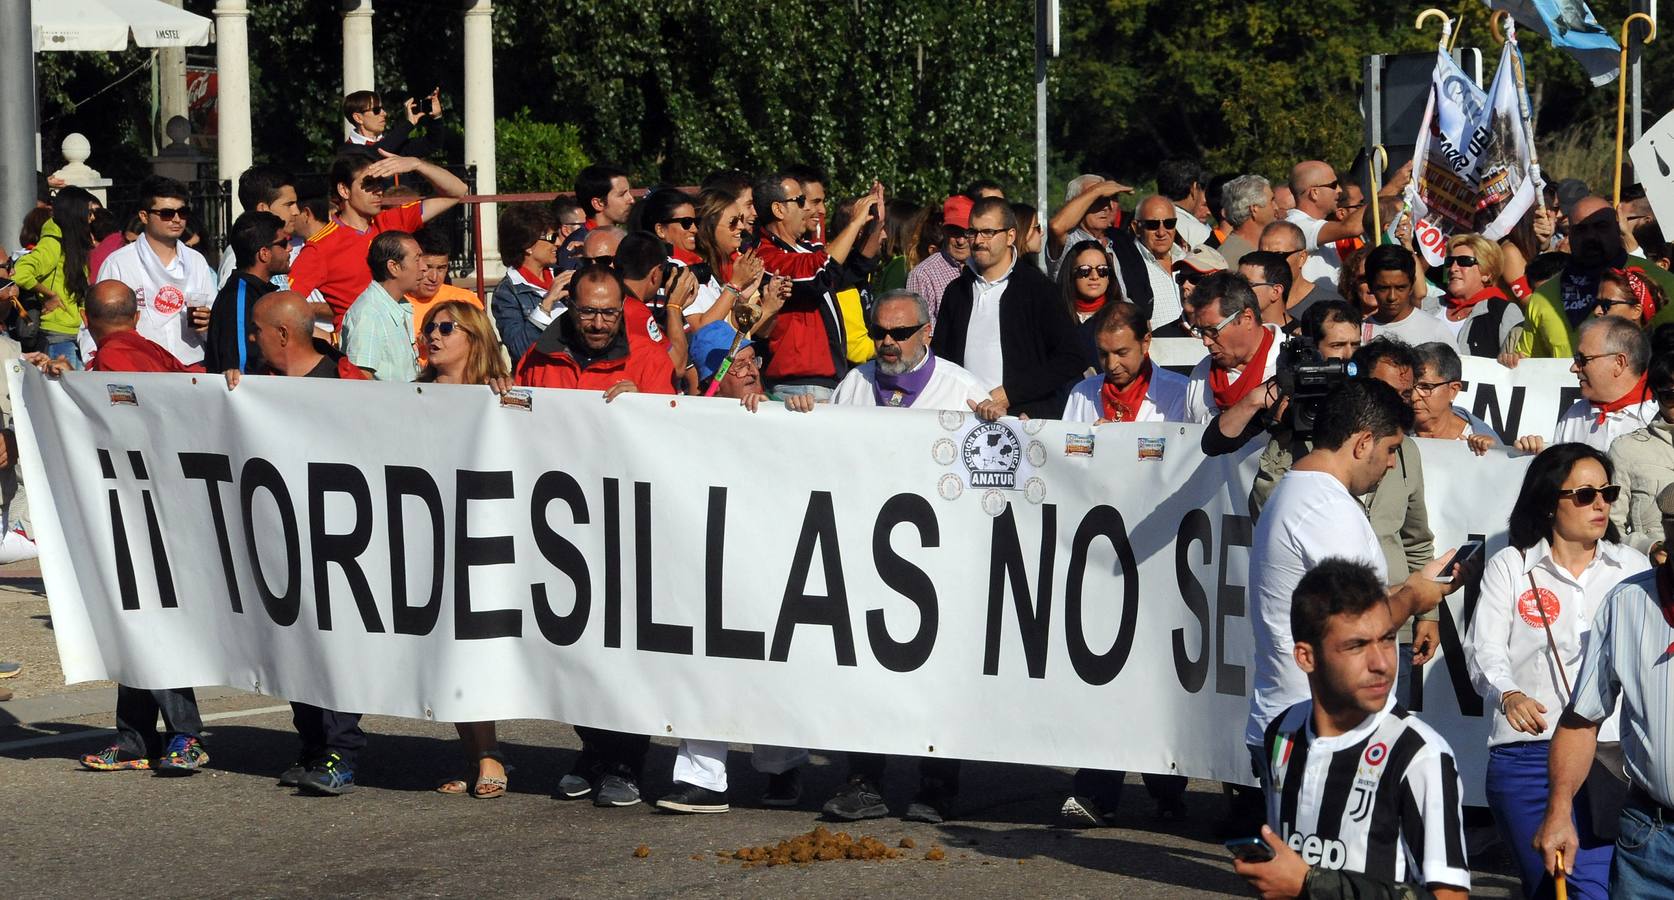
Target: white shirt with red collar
1583 423
1200 397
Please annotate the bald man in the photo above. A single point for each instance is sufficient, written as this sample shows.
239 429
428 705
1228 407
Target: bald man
1145 260
1315 186
284 333
113 318
600 245
1560 305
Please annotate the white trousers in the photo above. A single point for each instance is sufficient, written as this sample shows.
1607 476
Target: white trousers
704 763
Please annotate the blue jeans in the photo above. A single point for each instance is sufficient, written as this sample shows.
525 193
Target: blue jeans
66 349
1644 865
1516 788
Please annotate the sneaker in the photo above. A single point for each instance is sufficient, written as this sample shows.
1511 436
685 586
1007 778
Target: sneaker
111 759
574 787
689 798
784 790
329 777
184 756
616 790
1082 812
292 776
856 801
931 805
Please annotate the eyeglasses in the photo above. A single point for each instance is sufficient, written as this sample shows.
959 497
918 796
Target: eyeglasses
955 233
799 200
1585 496
682 221
551 237
1099 205
1581 359
375 110
169 215
898 335
1213 332
1352 206
1189 276
1328 186
1256 284
1463 262
1158 224
735 221
1426 388
1666 395
283 243
1088 271
988 234
446 328
593 312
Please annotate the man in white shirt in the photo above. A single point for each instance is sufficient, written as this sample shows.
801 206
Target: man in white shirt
1316 188
1155 233
1314 515
1131 388
1223 313
1391 272
173 283
1181 181
1611 359
905 374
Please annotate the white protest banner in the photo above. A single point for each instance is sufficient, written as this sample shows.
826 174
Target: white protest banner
678 566
1653 166
1443 192
1508 180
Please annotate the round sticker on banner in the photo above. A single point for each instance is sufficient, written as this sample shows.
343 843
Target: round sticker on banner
951 419
943 451
1036 454
168 300
950 487
993 502
1034 490
1033 426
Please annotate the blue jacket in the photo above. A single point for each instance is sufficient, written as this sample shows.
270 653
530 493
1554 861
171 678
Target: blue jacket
511 304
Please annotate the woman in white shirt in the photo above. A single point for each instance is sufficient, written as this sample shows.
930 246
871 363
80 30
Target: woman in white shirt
1524 648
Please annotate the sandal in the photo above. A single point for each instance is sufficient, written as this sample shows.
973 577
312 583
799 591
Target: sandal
457 786
488 786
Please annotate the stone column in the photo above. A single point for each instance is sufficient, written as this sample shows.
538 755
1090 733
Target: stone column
18 149
359 72
232 97
479 121
172 99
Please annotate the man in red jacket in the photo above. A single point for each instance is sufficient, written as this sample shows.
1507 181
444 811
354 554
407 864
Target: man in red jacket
113 320
588 348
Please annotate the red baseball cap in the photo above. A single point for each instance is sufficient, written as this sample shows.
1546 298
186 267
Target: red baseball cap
956 211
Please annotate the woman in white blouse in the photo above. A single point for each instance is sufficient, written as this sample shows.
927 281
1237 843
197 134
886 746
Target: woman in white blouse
1525 644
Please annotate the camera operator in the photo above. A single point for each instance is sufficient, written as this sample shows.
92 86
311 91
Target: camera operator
1331 330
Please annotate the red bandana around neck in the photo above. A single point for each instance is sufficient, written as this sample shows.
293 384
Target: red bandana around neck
1228 392
1634 397
541 277
1487 293
1089 306
1122 404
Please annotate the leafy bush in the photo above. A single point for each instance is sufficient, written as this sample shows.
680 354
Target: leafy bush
533 156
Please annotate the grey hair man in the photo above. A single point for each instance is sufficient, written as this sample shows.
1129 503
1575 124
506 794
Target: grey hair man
906 373
1089 212
1249 206
1611 358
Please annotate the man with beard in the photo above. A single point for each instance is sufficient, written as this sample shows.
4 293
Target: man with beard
905 373
1131 388
1560 305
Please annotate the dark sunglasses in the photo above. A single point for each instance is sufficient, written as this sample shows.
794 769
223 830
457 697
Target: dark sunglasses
1463 262
1087 271
1606 303
899 335
446 328
169 215
1099 205
682 221
799 200
1158 224
1329 185
603 259
282 243
1585 496
375 110
1666 395
551 237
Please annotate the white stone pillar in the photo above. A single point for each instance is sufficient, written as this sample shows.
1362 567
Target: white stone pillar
171 79
232 95
479 122
359 73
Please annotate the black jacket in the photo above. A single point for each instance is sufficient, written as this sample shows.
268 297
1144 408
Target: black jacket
227 332
1038 349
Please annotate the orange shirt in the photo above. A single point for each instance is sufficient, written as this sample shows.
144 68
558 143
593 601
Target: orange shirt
444 293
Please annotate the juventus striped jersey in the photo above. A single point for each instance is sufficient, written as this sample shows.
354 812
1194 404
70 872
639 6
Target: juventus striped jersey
1382 800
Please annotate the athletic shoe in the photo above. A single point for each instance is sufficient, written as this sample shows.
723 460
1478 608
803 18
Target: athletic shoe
689 798
1082 812
329 777
184 756
111 759
10 669
784 790
574 787
856 801
616 790
931 805
292 776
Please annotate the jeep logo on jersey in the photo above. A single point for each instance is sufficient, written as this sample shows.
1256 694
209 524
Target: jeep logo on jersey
1317 851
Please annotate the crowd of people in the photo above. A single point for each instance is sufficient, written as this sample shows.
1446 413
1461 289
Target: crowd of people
769 289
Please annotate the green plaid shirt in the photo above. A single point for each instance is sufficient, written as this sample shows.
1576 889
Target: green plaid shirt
378 335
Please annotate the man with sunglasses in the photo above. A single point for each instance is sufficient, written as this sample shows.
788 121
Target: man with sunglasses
261 248
1088 214
931 277
371 128
905 372
173 283
1558 306
1317 191
331 269
1145 258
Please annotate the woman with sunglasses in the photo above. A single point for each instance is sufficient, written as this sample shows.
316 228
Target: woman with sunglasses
1644 461
725 276
1087 279
462 349
1627 294
670 214
1483 319
1525 644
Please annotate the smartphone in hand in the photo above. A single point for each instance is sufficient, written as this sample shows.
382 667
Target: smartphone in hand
1466 554
1250 849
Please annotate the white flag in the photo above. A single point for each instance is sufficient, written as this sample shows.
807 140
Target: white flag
1508 183
1453 136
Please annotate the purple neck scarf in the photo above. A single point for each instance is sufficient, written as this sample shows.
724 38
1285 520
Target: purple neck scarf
903 389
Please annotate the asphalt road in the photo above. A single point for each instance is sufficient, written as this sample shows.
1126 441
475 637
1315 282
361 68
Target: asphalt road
230 830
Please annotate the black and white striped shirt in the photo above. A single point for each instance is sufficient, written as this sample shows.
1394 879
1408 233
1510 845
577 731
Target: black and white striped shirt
1382 799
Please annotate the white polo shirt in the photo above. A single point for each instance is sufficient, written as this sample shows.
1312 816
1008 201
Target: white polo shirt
1323 262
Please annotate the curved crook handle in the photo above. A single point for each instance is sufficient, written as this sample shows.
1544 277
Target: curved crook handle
1650 26
1502 25
1447 22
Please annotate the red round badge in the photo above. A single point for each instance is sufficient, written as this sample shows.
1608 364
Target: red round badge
1531 613
168 300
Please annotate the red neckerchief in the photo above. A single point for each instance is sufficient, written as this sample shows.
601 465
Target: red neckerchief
1634 397
543 280
1487 293
1122 404
1088 307
1665 599
1228 392
686 256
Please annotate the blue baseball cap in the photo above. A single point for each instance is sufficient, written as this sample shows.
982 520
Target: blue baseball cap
709 346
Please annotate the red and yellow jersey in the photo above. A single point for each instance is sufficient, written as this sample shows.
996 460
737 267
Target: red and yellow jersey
333 261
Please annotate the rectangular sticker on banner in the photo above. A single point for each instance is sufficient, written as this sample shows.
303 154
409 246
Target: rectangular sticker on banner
122 394
1151 449
1078 445
518 398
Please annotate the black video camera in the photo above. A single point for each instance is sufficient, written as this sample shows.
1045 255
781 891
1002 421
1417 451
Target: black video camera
1304 377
